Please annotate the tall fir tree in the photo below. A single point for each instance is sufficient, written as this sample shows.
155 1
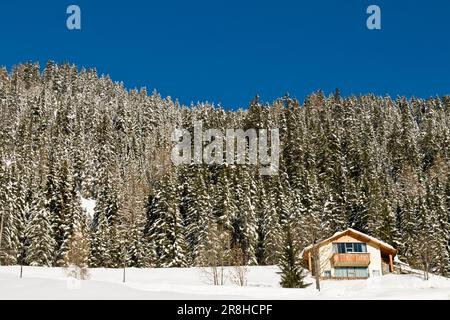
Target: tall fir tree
292 274
39 235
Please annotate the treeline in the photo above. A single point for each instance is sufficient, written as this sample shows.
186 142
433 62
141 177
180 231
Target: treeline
376 164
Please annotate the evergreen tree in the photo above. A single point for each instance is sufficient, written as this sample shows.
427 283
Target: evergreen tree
101 244
39 236
268 228
244 226
167 231
292 274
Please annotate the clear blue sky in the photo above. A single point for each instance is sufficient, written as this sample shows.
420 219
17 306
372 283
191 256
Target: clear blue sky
229 50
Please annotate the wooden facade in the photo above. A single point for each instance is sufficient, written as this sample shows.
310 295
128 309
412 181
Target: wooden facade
351 259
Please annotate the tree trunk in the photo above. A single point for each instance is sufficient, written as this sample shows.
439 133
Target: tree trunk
1 232
316 265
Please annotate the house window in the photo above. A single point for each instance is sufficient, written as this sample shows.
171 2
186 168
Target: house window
349 247
358 247
351 272
327 273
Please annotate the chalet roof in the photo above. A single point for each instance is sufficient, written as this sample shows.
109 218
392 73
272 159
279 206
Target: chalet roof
357 235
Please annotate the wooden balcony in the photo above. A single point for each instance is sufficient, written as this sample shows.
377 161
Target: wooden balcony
351 259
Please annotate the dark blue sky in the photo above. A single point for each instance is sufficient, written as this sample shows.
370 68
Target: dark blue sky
228 51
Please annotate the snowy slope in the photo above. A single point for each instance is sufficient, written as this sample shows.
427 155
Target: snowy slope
89 206
52 283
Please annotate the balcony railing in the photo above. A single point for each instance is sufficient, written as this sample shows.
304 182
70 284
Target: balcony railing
351 259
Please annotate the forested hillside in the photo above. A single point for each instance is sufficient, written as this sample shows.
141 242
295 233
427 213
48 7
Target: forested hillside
376 164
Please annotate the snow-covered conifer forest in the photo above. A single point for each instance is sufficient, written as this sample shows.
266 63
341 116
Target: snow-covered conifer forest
376 164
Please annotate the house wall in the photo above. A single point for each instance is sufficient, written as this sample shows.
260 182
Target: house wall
375 260
326 253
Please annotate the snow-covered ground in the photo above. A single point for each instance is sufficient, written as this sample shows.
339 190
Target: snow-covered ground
191 283
89 206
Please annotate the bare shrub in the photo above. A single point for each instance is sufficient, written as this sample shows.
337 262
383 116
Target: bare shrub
215 256
77 258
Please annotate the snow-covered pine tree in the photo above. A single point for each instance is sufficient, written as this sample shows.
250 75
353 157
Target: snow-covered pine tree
132 217
423 242
336 182
409 193
63 203
167 231
106 222
381 218
312 220
13 217
64 222
245 235
39 235
101 243
292 274
440 227
268 227
224 204
199 216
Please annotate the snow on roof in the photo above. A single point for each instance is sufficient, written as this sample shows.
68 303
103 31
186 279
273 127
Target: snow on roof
359 233
384 244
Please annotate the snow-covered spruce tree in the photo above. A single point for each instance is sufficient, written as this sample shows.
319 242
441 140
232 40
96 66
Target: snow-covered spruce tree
67 214
105 238
13 217
224 204
63 203
199 217
39 235
167 231
292 274
279 187
424 228
409 191
151 218
429 143
101 244
294 147
56 194
312 217
132 221
440 226
331 163
268 228
381 218
244 225
422 244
